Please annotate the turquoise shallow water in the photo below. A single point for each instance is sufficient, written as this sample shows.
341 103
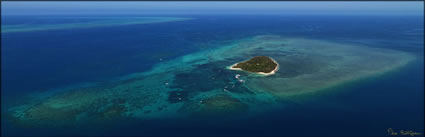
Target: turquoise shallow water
93 55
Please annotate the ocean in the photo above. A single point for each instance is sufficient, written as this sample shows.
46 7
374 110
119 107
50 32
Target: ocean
52 59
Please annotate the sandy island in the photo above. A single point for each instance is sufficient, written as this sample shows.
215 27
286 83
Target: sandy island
232 67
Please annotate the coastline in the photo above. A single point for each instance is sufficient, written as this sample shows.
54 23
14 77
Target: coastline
261 73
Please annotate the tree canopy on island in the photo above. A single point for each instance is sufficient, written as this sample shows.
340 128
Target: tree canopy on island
258 64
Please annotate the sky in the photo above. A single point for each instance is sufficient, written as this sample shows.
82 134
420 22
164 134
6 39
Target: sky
208 7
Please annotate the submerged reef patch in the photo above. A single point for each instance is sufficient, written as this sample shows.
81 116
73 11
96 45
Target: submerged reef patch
223 104
207 77
199 83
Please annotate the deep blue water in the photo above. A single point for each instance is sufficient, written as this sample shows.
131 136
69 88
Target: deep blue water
42 60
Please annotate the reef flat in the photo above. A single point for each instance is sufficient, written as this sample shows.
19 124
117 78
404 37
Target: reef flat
198 84
96 22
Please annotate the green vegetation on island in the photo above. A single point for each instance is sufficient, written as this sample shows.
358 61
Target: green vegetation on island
257 64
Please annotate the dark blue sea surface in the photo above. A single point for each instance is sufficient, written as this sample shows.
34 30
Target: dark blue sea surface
36 61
